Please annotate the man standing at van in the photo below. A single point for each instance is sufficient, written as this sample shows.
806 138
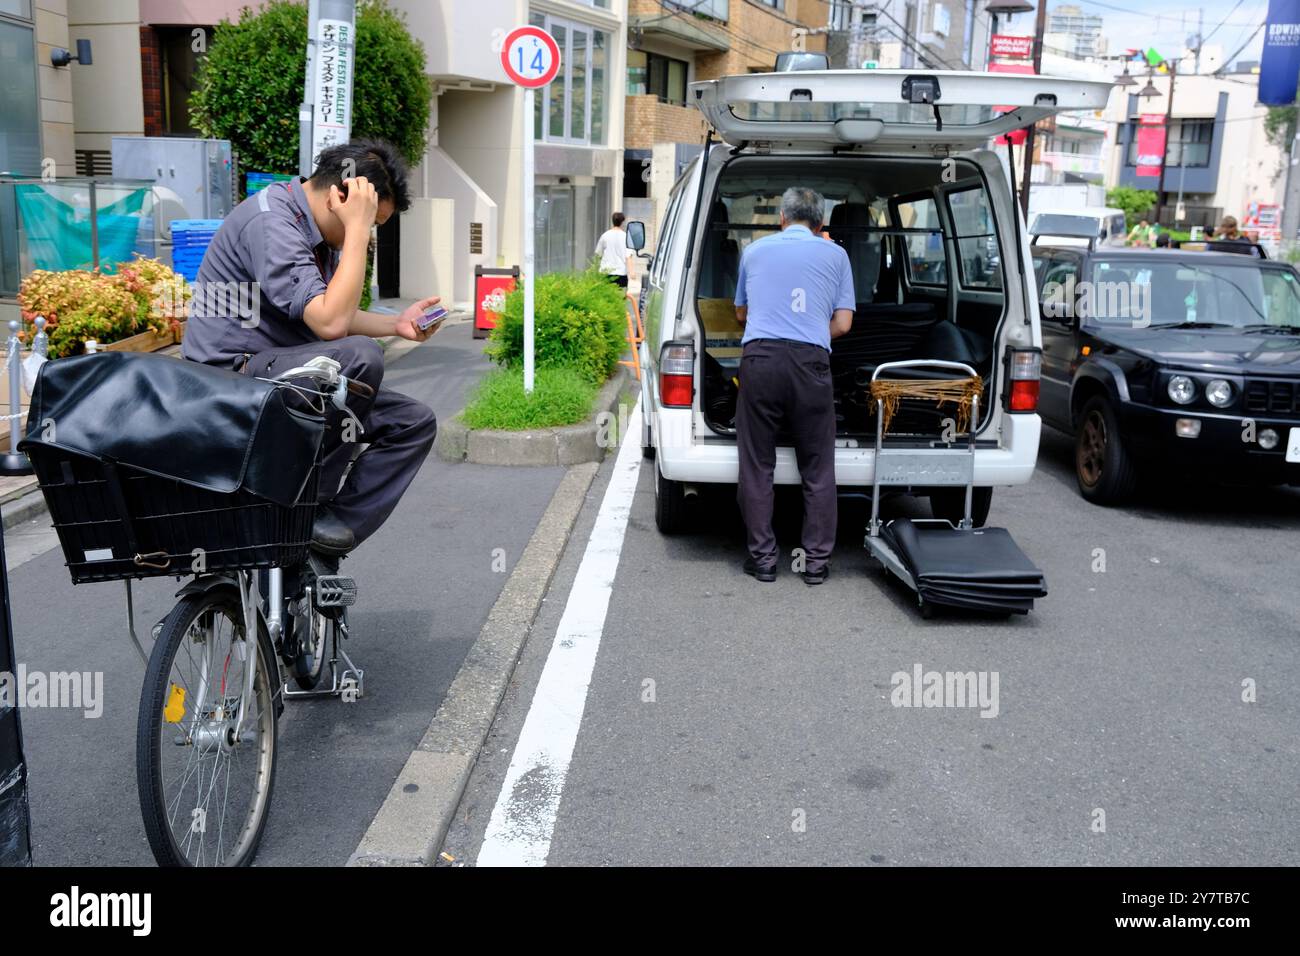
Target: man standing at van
615 257
794 293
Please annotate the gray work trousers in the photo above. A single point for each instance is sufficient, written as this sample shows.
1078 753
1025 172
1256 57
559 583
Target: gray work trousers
399 432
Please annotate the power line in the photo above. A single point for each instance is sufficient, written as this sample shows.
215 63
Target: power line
1202 40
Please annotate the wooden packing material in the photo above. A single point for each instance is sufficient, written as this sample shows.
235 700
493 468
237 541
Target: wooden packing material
962 391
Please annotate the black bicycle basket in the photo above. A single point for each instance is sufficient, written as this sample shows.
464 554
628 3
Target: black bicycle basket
156 466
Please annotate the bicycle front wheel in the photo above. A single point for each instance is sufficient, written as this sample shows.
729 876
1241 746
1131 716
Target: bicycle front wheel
205 786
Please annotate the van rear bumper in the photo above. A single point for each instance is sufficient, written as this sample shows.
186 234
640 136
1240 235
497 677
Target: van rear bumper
715 461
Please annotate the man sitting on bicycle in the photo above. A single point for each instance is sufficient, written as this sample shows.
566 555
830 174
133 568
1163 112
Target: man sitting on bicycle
300 247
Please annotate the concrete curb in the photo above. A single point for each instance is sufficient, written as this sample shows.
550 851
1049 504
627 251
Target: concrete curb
28 507
413 821
569 445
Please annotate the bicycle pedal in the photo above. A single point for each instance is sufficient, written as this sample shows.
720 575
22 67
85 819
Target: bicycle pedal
335 590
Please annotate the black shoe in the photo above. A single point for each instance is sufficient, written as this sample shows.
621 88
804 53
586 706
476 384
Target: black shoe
765 575
812 578
329 535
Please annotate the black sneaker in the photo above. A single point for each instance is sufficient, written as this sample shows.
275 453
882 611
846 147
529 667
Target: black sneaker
766 575
813 578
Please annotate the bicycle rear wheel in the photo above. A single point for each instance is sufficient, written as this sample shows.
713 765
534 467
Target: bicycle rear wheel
205 795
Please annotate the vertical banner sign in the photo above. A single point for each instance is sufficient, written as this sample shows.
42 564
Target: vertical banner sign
1280 65
1150 144
531 58
333 85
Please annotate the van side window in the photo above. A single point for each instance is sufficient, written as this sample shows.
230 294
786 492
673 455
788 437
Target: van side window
926 264
664 242
977 244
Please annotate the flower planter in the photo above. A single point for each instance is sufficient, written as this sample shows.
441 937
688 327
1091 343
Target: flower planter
150 341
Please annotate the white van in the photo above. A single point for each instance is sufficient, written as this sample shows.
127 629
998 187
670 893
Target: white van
939 251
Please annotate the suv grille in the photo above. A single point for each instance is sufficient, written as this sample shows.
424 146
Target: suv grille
1273 396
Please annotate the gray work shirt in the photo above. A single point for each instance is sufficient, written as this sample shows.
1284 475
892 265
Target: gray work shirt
266 262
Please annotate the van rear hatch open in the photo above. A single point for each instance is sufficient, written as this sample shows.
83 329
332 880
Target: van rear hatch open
889 109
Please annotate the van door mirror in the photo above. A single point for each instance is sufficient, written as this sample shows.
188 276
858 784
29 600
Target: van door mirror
635 235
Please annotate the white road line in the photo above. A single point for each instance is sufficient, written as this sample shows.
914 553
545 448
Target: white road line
523 820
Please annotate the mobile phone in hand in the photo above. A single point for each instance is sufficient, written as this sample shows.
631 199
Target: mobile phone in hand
432 316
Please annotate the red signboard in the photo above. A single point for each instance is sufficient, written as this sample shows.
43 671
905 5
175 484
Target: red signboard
490 289
1019 47
1150 144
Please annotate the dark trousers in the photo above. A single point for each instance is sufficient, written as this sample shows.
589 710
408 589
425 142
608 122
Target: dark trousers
399 432
785 387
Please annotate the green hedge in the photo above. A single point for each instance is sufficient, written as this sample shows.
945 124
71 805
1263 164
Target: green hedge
580 324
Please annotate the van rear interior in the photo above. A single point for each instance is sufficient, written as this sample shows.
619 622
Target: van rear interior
927 275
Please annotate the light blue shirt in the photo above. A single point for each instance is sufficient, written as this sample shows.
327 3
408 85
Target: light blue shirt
792 282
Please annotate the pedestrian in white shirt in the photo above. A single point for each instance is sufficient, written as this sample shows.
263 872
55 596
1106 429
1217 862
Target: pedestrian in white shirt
615 257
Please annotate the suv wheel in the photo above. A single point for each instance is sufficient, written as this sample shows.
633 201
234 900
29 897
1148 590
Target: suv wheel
1102 466
670 504
950 505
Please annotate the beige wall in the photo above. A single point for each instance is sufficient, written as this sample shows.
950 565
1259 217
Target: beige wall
107 96
55 86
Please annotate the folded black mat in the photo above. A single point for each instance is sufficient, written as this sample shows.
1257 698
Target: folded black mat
963 599
945 554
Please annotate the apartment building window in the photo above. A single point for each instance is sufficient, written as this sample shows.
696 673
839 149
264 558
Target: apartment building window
1188 143
774 4
661 76
574 107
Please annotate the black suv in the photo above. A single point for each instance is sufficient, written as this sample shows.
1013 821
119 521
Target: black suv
1172 359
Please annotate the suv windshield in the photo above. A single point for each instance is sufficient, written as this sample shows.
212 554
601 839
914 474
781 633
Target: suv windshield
1179 291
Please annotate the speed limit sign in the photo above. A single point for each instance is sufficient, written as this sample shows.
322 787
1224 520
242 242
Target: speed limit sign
530 56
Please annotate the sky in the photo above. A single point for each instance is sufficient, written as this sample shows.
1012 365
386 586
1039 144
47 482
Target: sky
1166 24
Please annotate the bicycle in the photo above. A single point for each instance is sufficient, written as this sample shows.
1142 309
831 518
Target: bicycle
267 612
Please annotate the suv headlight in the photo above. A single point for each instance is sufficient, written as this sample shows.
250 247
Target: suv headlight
1182 389
1219 393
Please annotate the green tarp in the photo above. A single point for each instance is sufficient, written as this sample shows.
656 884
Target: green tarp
58 233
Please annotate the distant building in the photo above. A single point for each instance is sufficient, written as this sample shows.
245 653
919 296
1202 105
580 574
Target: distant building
1080 29
1216 154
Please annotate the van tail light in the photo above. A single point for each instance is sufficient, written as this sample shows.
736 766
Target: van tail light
1024 370
677 374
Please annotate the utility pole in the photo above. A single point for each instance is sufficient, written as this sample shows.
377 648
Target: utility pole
1164 160
1040 28
1200 38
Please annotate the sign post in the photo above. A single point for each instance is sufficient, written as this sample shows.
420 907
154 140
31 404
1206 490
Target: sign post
531 58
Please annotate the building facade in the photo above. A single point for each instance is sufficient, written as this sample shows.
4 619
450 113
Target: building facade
670 46
1217 157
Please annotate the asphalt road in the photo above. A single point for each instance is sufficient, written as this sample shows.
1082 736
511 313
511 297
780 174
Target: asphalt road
427 581
768 735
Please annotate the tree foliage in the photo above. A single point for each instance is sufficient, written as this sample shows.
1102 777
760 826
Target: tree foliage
249 86
1136 203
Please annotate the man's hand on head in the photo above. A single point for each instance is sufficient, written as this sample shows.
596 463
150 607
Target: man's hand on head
358 208
406 326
